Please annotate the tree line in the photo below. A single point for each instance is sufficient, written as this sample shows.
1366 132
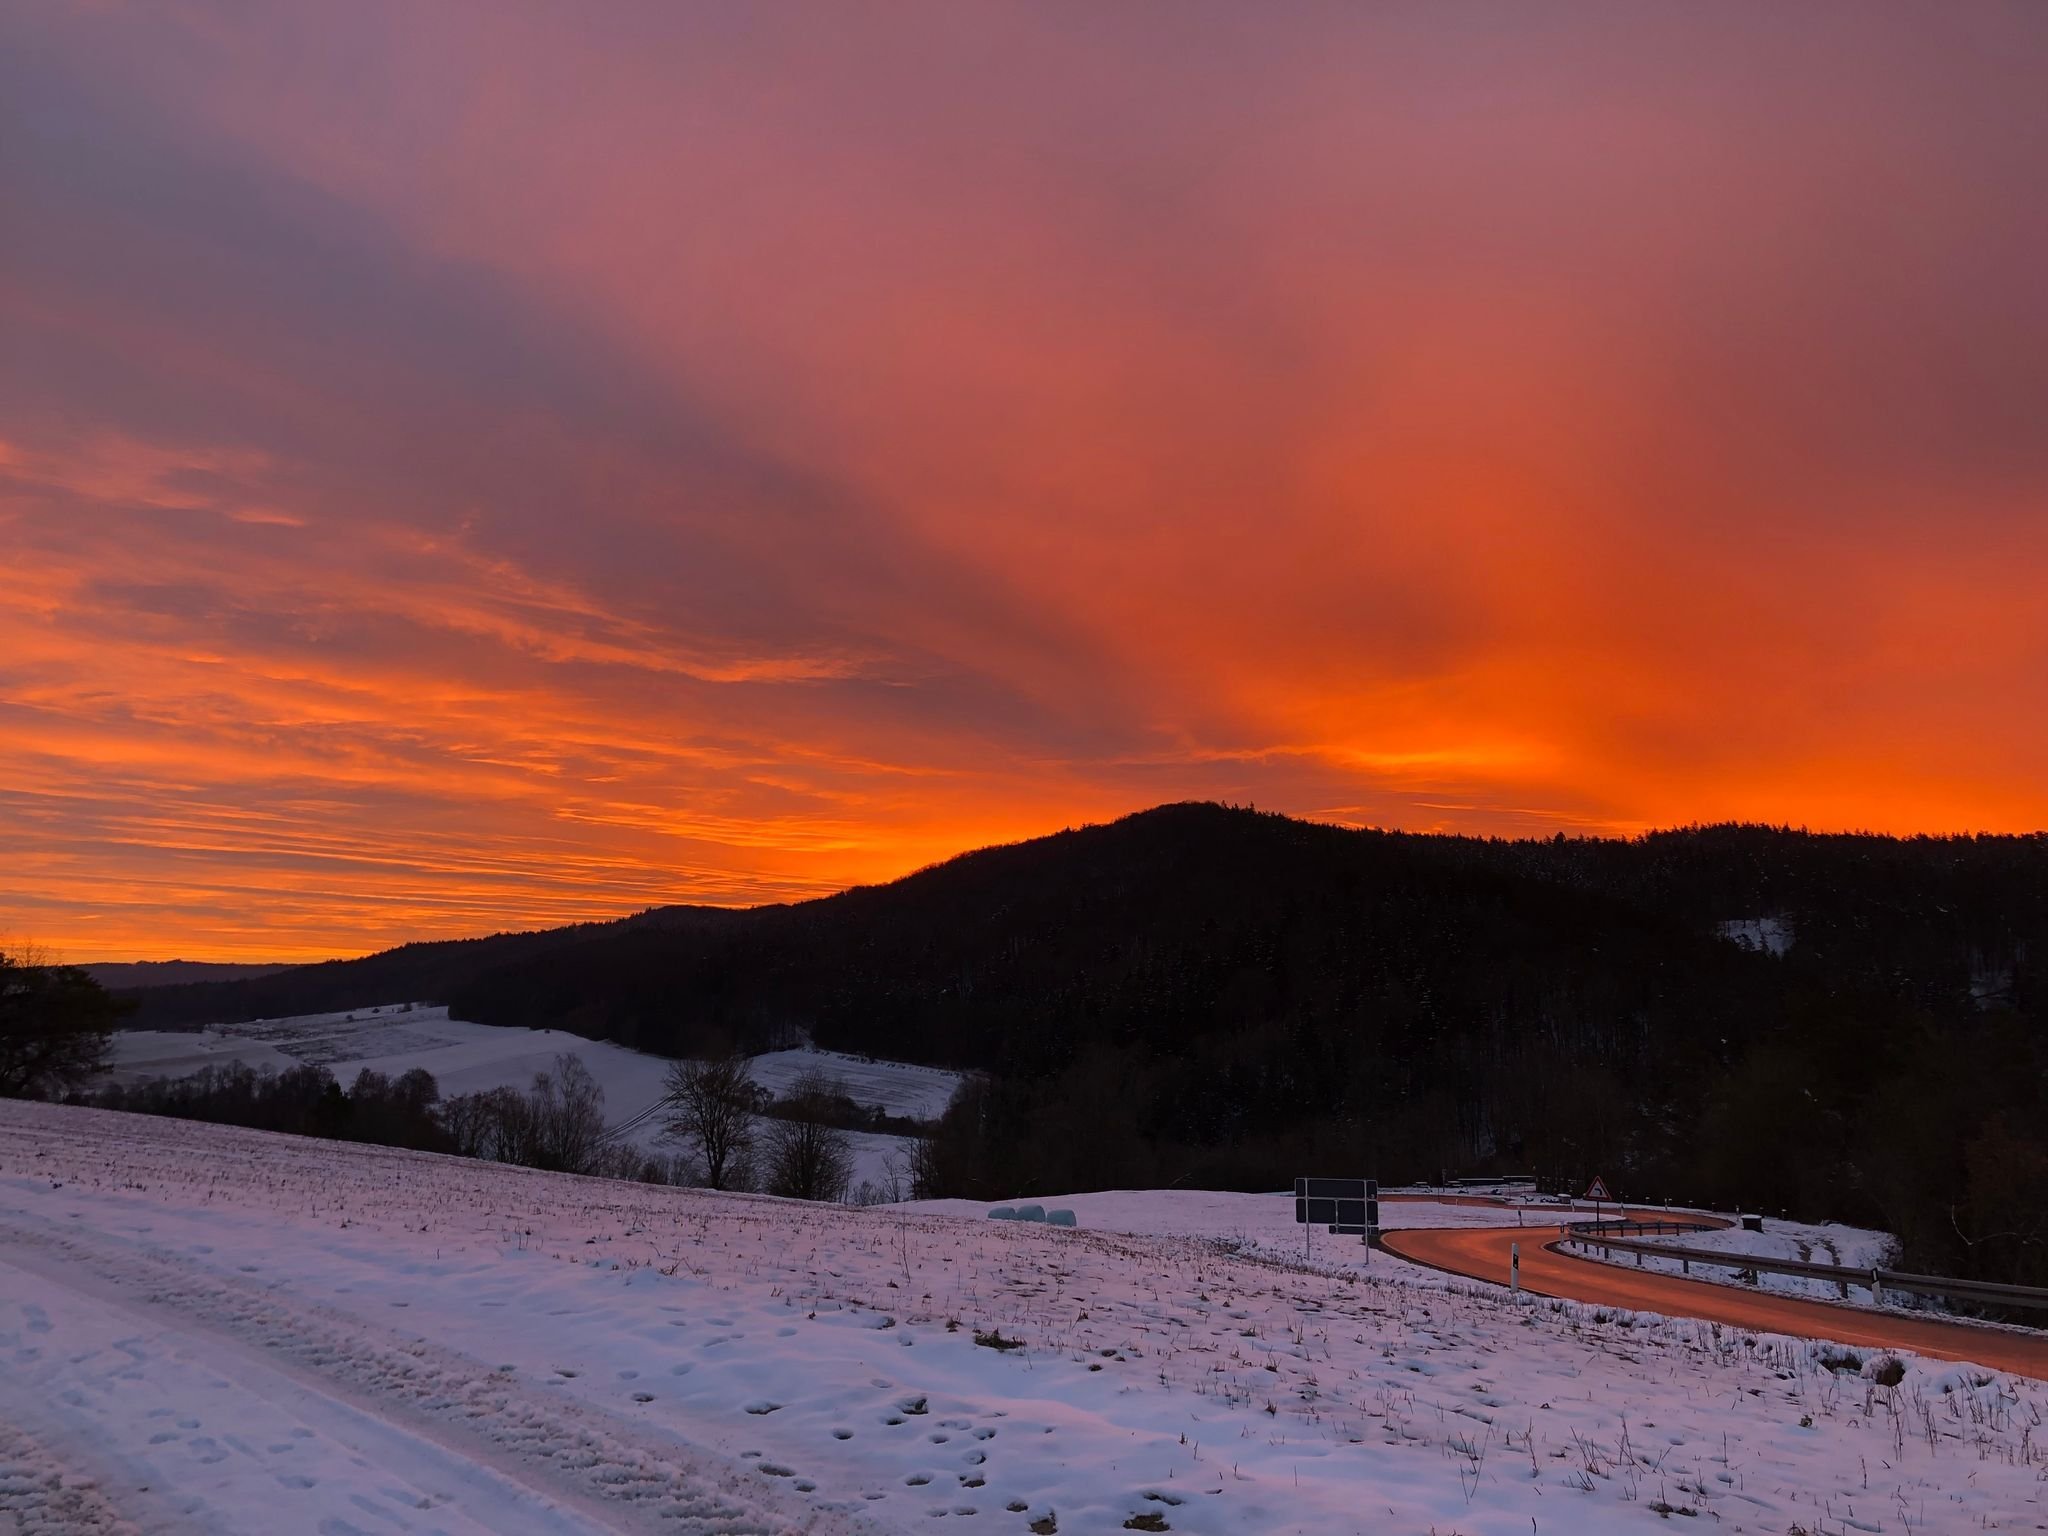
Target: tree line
717 1127
1212 996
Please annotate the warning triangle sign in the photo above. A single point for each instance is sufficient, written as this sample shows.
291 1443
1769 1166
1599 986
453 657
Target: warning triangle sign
1597 1190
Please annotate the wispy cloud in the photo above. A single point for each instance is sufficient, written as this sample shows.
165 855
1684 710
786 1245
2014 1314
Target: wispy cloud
707 457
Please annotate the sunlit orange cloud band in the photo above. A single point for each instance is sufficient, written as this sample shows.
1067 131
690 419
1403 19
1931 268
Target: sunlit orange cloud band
469 468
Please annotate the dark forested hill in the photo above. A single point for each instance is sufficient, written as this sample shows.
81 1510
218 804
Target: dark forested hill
123 976
1214 995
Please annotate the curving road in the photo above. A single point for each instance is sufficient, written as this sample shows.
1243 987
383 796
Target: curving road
1481 1253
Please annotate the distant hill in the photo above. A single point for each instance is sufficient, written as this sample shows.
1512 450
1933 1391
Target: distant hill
122 976
1841 1025
432 972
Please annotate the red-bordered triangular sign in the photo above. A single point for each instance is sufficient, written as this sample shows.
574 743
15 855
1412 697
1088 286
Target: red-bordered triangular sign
1597 1190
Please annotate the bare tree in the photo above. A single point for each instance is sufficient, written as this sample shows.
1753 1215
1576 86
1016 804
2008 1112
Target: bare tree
467 1119
711 1109
505 1126
809 1158
568 1116
56 1027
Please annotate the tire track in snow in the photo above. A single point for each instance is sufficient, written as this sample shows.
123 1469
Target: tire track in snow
412 1401
46 1497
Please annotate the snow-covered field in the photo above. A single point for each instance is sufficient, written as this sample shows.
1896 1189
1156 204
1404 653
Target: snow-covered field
210 1329
464 1057
917 1093
470 1058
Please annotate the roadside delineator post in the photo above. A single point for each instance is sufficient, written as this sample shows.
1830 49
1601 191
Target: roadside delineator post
1515 1268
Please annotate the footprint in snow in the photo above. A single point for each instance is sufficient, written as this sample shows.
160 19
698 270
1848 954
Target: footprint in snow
761 1405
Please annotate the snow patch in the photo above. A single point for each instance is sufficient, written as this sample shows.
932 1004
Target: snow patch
1766 935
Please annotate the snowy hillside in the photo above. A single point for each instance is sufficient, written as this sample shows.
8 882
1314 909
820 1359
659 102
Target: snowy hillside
395 1038
468 1058
206 1328
918 1093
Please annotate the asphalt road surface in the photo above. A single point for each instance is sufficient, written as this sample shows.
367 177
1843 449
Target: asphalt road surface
1482 1254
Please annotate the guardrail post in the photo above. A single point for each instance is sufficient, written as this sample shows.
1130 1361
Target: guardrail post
1876 1290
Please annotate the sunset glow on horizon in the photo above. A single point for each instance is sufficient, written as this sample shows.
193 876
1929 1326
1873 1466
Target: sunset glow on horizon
467 468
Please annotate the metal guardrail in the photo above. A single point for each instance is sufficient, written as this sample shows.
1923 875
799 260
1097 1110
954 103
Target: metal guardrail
1609 1236
1674 1226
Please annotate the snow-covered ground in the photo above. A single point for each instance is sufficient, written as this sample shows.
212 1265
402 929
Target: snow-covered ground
1770 935
1825 1243
918 1093
470 1058
204 1328
395 1038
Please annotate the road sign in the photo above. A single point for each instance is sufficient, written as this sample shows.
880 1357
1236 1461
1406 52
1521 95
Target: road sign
1343 1205
1597 1190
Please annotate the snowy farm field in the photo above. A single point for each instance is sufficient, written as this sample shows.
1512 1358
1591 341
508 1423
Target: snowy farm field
470 1058
209 1329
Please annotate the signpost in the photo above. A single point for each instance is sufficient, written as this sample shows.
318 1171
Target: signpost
1597 1192
1345 1206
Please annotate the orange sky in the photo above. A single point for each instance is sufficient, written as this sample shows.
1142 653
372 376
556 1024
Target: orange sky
466 468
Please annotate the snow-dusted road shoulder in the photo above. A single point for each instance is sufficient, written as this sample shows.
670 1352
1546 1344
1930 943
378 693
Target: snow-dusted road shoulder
204 1329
